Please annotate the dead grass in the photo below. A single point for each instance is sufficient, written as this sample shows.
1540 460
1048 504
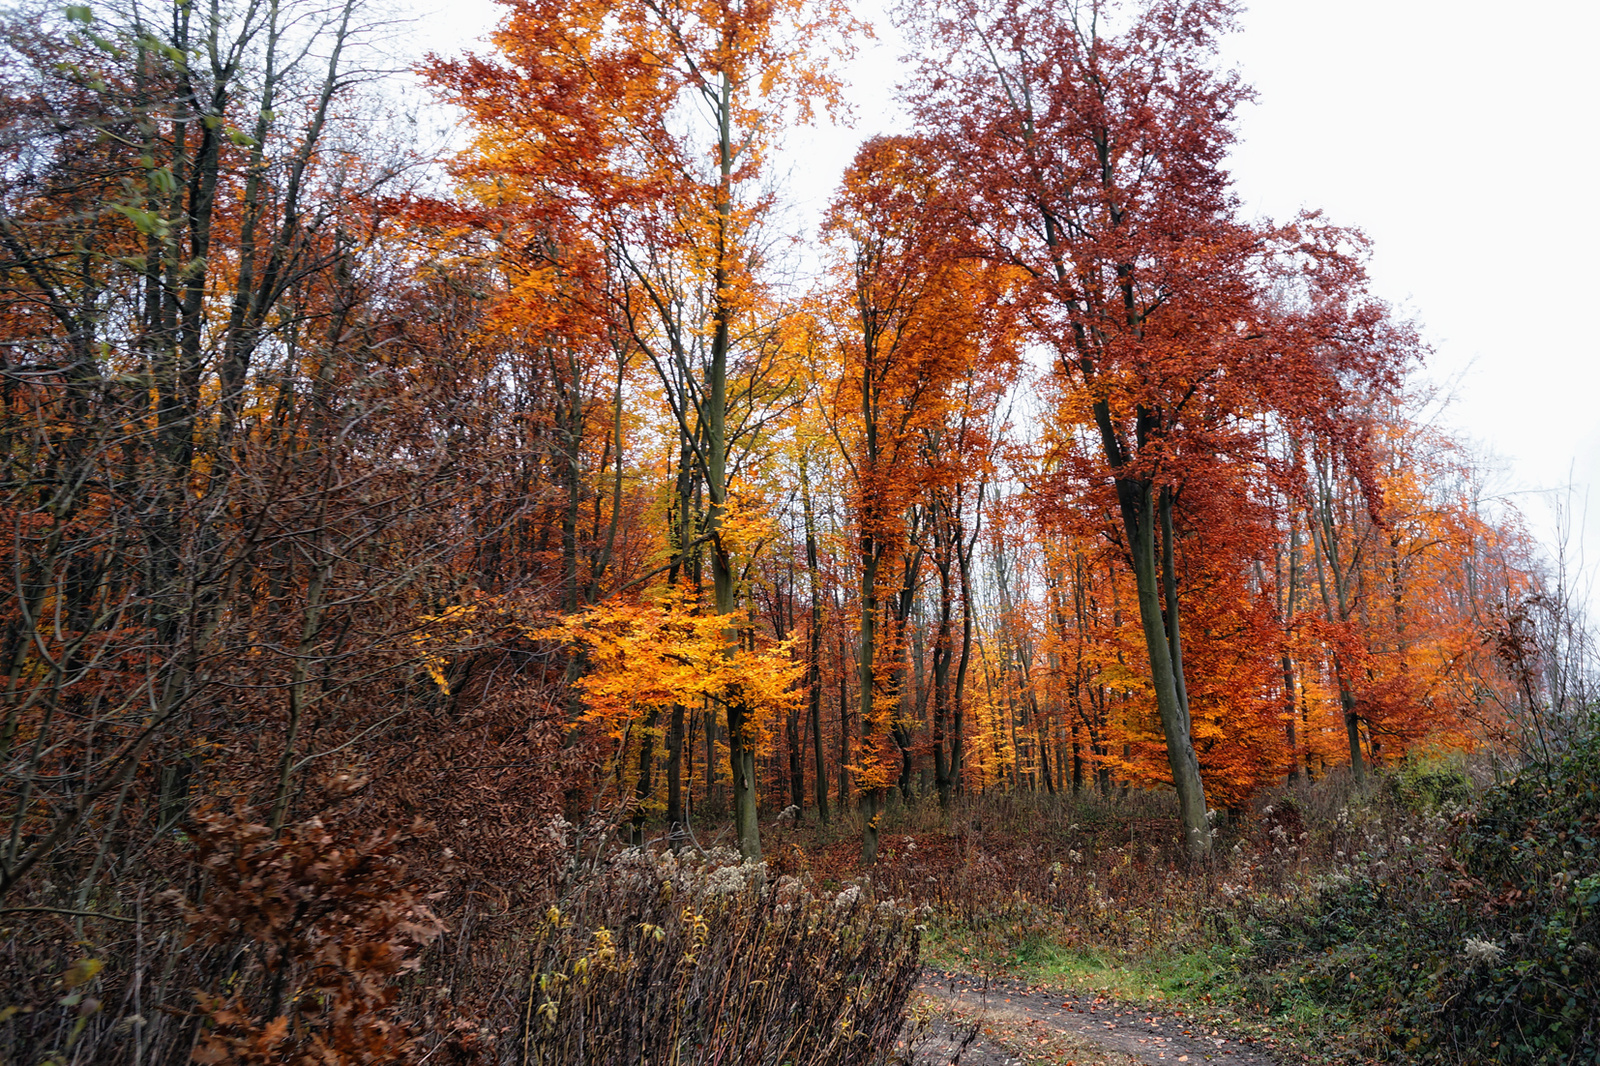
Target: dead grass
1090 892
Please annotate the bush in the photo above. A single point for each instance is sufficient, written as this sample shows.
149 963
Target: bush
1452 938
1429 784
291 947
1528 987
321 930
653 959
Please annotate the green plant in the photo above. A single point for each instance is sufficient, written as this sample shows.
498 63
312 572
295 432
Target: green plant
1428 784
1526 987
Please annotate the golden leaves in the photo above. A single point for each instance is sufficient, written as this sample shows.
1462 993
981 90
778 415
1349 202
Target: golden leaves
642 656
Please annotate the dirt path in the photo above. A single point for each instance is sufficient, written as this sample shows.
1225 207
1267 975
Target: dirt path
1021 1023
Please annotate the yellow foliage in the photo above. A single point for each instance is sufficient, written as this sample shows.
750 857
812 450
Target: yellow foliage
655 655
454 621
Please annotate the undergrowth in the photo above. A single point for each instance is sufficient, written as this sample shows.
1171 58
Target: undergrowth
323 945
1423 919
694 959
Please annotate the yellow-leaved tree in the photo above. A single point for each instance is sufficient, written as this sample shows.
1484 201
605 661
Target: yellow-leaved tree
646 658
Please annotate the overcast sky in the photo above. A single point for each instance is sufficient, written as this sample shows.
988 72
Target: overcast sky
1460 136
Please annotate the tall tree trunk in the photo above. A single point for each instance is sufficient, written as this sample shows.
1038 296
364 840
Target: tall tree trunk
677 817
1324 544
741 738
1138 499
814 646
943 653
866 678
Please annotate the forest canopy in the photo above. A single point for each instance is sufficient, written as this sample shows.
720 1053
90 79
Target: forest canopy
1057 472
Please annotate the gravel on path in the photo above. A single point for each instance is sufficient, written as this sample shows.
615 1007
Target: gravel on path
1025 1014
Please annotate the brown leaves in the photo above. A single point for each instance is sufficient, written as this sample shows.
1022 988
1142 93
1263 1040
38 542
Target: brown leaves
326 924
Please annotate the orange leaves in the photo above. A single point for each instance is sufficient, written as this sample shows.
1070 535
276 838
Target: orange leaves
642 656
587 103
916 321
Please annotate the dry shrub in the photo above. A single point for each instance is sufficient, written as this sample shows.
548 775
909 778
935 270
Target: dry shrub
320 931
323 926
489 769
298 947
656 959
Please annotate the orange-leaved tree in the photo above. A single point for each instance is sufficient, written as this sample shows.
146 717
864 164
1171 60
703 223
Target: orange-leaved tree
649 123
912 318
644 659
1093 161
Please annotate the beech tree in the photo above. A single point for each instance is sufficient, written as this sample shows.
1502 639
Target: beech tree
650 126
916 328
1092 144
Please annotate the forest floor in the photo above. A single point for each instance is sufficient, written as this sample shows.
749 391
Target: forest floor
1066 930
1011 1023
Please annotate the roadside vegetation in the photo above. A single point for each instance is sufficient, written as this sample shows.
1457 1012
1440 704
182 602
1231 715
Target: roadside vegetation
1448 913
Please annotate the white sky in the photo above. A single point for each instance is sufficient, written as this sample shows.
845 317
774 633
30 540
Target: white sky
1460 136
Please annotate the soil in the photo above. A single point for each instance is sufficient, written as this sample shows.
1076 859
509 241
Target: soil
1010 1023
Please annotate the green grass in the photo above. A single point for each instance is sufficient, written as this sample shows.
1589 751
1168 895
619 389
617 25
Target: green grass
1201 983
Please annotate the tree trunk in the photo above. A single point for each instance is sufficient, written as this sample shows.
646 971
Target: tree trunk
1138 500
814 646
1324 544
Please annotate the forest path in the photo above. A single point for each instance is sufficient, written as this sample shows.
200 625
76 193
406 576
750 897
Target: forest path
1024 1023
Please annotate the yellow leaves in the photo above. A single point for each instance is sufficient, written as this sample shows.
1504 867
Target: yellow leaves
434 665
699 931
450 625
640 656
643 656
745 529
81 972
605 949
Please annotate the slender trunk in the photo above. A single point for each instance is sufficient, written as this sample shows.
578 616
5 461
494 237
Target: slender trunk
814 646
866 679
602 560
844 726
797 776
681 529
943 652
676 816
1324 546
645 787
1138 503
958 747
1286 661
741 738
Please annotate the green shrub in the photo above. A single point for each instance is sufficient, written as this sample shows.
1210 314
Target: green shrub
1528 987
1430 784
1473 939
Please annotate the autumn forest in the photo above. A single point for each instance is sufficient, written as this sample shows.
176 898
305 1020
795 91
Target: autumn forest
393 537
